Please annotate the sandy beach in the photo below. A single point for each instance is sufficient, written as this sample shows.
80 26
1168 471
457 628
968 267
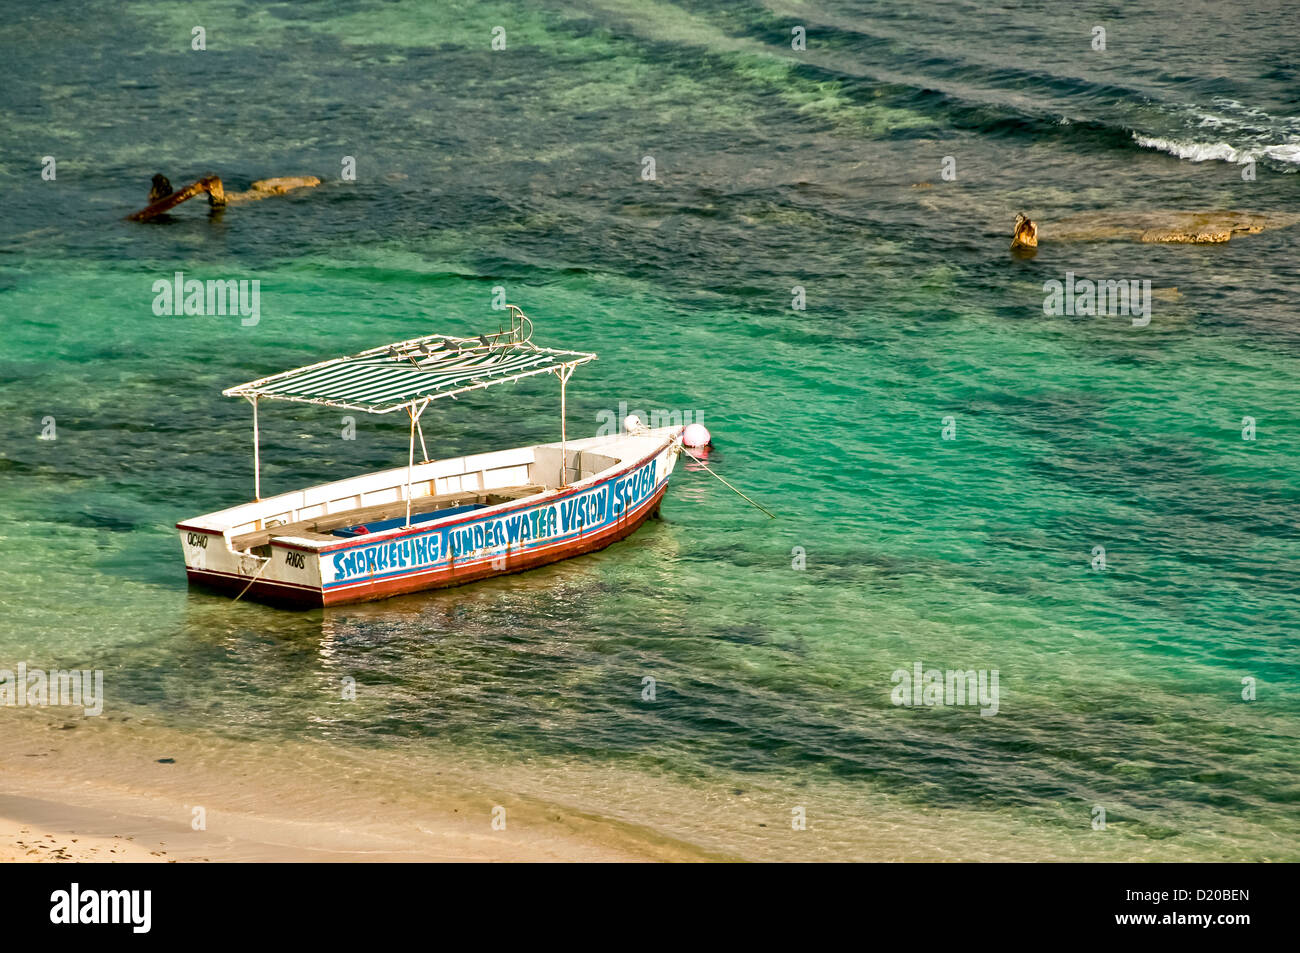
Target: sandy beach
29 843
87 791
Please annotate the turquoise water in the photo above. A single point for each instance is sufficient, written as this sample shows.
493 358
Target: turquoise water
1120 687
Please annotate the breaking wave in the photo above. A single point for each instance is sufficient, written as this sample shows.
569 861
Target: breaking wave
1240 134
1222 151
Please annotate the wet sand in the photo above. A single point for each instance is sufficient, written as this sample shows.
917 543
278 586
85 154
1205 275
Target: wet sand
90 791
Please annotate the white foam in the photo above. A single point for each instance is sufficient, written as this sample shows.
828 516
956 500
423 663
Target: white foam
1286 153
1195 151
1221 151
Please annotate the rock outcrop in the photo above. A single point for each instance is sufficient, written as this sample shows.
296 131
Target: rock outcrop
163 199
1025 233
1165 227
209 184
265 188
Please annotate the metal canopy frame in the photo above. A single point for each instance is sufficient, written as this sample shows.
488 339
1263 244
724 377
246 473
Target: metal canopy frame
409 375
404 374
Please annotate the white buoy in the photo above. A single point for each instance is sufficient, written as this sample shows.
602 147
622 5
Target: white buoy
696 435
632 424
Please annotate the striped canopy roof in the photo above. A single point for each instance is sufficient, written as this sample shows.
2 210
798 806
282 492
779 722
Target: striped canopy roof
409 373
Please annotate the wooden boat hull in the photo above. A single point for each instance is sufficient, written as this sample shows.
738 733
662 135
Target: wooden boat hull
494 540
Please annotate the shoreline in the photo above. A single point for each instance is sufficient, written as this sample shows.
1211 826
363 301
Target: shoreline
128 787
99 794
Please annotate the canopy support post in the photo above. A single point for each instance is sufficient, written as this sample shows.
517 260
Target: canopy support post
564 373
423 449
410 460
257 456
410 463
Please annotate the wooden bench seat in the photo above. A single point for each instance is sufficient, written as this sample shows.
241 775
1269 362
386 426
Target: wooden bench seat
318 527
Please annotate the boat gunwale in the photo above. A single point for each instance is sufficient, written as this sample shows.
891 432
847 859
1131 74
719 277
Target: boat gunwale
401 532
321 592
550 496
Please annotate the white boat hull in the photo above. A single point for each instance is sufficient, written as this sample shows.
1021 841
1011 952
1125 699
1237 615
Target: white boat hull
471 518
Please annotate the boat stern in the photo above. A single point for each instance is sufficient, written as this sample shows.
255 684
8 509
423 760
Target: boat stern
279 570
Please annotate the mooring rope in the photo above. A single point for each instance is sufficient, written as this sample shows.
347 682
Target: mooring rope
726 484
251 581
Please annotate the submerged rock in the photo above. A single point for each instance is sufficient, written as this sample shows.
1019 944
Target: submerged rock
1166 227
264 188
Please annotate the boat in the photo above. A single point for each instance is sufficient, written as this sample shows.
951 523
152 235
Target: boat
431 523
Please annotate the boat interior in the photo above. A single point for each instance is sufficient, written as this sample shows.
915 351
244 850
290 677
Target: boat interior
440 489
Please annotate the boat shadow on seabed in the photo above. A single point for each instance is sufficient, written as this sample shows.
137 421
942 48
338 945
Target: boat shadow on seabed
581 581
